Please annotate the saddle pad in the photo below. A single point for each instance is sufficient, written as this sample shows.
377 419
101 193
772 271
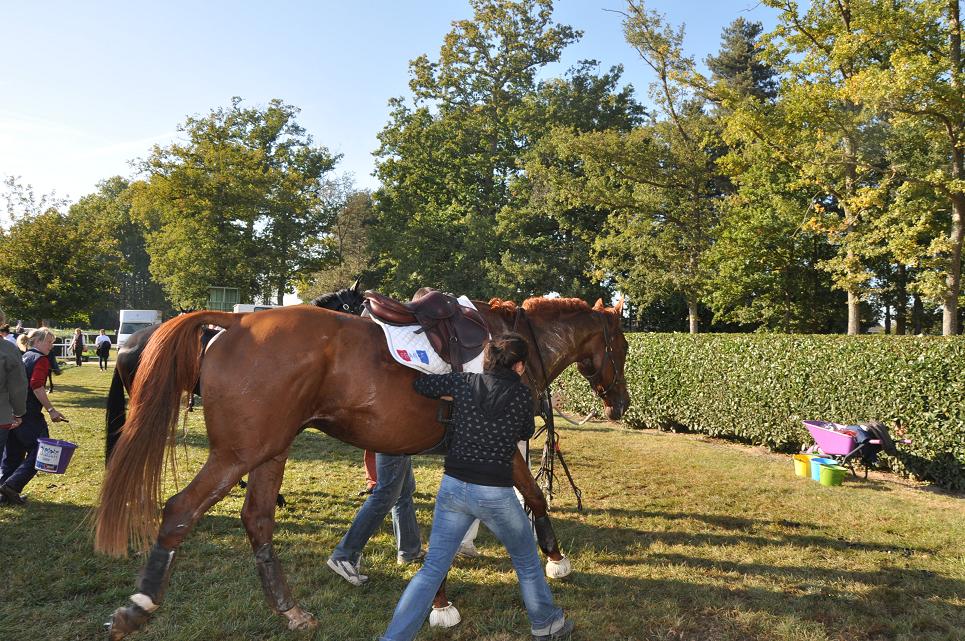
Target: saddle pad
413 350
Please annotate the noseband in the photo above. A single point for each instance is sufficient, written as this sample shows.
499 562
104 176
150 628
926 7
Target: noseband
596 378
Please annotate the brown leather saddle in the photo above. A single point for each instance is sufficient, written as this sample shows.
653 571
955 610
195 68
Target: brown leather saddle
456 333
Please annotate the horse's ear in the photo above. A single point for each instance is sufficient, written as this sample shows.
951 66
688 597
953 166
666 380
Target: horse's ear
618 308
599 306
358 282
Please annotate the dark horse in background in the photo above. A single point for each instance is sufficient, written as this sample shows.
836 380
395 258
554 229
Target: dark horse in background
274 373
128 359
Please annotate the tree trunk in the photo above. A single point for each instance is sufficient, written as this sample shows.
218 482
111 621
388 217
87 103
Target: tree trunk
854 314
901 300
692 316
917 311
887 319
953 280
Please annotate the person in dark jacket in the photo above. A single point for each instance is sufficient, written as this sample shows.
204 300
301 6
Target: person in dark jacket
491 412
20 454
13 390
77 344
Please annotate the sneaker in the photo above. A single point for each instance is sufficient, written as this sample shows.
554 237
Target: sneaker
13 497
418 558
563 633
468 550
349 572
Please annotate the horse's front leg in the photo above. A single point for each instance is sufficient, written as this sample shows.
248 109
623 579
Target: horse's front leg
258 515
557 565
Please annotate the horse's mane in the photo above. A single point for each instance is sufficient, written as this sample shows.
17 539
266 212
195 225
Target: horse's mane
539 304
325 299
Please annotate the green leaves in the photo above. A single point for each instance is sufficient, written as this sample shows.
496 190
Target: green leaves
239 204
758 388
55 268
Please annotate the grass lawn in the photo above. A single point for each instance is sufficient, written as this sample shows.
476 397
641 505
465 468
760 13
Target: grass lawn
682 539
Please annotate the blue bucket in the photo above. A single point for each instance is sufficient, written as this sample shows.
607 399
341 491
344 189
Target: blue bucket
816 464
53 455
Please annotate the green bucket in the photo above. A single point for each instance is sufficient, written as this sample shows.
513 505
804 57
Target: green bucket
832 475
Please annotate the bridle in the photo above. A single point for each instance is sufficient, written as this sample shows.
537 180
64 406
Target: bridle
596 378
351 309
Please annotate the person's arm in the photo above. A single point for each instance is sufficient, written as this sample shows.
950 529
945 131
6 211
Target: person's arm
37 381
433 385
41 395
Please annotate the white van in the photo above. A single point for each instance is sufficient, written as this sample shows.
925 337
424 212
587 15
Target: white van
241 308
133 320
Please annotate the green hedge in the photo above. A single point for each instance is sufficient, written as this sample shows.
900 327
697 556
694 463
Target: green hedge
757 388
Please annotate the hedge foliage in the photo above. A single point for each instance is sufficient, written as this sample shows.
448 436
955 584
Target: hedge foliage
757 388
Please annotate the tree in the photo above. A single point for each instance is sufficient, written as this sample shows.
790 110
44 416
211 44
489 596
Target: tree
829 140
920 85
107 212
239 204
447 162
548 246
739 64
658 183
346 245
52 268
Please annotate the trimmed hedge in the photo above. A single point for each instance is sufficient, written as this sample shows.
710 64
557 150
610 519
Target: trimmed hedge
757 388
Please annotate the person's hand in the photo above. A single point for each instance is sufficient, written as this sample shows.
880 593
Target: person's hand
15 423
57 417
445 398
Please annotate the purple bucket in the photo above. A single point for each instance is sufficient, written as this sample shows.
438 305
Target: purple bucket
53 455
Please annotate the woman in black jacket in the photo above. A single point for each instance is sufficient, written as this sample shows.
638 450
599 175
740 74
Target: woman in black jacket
491 412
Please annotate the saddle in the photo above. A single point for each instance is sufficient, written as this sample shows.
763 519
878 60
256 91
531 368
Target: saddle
456 333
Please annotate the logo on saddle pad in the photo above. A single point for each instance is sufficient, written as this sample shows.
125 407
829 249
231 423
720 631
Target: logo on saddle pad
421 354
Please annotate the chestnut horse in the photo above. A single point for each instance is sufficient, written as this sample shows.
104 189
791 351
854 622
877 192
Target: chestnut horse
274 373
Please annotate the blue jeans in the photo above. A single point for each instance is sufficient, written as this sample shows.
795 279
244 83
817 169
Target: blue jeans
458 504
393 492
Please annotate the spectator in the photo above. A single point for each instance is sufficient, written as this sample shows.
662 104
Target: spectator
77 344
13 389
6 334
102 344
20 453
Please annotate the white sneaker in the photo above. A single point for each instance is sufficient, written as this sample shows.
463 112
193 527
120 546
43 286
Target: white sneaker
468 550
349 572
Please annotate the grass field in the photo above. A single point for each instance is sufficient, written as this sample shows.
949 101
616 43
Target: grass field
682 539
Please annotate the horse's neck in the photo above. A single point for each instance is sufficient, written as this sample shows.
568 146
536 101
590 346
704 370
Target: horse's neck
557 339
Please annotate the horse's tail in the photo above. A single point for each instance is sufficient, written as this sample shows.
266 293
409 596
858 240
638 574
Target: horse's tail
131 493
115 414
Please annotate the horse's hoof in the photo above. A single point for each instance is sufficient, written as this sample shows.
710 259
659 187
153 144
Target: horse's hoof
558 569
126 620
299 619
444 617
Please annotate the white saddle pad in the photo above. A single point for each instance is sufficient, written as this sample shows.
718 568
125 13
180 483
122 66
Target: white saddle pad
413 350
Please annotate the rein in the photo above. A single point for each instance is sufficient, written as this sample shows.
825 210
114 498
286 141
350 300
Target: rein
551 449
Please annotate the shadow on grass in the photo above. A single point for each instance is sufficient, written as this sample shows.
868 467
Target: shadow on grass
772 533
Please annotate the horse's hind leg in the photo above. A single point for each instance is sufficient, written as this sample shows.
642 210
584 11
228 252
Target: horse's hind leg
181 512
558 565
258 515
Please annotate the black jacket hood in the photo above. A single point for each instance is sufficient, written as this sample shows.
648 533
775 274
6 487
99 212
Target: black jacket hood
493 390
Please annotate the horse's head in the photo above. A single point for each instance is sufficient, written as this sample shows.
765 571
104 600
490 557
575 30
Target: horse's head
348 300
603 359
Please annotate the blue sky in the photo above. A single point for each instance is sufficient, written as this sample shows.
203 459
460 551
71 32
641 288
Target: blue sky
89 86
